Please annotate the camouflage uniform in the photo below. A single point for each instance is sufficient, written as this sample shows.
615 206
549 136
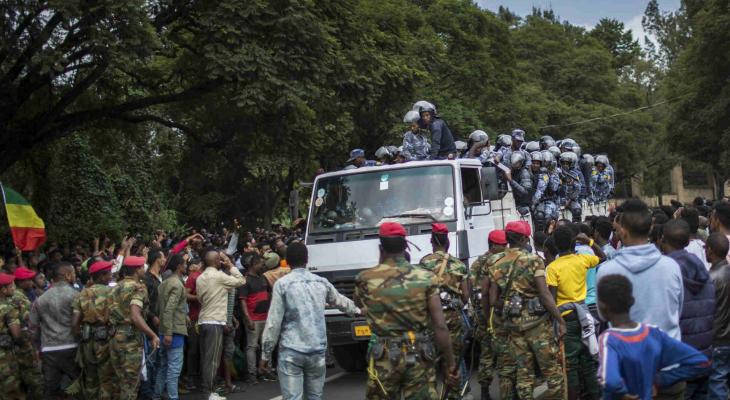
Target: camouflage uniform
97 371
482 332
126 346
28 361
9 369
450 279
530 338
394 297
415 145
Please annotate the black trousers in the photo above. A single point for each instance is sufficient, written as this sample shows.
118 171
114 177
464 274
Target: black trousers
211 348
56 364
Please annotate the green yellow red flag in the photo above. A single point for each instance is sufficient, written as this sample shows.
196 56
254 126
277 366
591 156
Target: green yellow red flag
28 230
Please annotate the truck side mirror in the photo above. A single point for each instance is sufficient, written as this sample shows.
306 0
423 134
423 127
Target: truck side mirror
490 183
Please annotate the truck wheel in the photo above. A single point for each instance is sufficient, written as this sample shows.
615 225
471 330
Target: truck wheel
351 357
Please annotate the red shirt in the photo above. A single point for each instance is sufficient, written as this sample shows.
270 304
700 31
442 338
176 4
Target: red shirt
193 305
256 294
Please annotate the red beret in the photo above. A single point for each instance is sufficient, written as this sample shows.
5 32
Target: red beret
521 227
100 266
6 279
439 228
24 273
392 229
498 236
134 262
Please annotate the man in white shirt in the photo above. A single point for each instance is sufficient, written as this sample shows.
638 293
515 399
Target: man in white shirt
212 289
696 245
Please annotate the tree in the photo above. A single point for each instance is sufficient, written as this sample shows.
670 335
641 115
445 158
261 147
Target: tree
698 125
618 40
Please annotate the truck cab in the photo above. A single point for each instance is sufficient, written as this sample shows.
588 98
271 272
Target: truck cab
347 208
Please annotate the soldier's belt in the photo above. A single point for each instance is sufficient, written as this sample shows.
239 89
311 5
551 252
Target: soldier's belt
410 346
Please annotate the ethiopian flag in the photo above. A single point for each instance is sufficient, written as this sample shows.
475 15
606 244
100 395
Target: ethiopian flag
29 231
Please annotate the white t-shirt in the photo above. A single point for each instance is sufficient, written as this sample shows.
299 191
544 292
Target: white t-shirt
697 247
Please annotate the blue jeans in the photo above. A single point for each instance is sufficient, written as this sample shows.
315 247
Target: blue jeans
720 373
147 387
171 362
301 375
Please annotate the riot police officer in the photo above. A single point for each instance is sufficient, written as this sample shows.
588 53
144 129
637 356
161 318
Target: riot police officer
540 181
521 182
587 167
603 180
442 141
571 184
415 142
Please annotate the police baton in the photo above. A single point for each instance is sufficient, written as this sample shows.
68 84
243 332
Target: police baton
468 339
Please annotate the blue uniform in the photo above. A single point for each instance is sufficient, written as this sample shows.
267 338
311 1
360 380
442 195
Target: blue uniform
570 191
442 141
416 146
603 183
522 189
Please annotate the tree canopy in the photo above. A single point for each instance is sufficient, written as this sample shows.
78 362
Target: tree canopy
159 113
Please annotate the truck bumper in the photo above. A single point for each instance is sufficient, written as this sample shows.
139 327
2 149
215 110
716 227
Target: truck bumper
340 331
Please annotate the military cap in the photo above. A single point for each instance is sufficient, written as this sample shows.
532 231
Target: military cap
389 229
520 227
439 228
498 236
24 273
100 266
134 262
6 279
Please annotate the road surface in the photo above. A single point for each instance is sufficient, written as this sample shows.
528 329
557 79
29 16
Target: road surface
338 385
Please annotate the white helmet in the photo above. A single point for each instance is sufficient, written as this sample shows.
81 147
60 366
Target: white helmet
411 117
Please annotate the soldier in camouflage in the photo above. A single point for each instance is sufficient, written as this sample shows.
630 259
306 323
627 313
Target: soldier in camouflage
10 334
415 140
129 300
451 276
521 302
28 360
402 305
482 333
91 322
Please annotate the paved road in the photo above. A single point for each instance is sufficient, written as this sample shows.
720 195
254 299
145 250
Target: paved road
339 385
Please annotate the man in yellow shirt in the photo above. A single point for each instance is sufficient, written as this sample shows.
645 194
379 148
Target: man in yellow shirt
566 278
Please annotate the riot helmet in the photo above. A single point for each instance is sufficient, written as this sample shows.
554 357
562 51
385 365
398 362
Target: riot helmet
546 142
569 158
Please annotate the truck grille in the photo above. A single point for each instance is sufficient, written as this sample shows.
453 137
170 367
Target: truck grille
346 286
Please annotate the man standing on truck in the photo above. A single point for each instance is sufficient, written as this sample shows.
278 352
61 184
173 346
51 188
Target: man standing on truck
442 141
451 275
402 305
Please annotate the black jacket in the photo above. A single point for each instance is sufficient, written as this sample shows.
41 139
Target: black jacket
442 141
698 309
720 274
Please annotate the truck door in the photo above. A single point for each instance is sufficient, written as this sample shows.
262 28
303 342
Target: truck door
477 219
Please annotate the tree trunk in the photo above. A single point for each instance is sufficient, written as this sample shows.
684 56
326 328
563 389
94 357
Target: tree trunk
720 179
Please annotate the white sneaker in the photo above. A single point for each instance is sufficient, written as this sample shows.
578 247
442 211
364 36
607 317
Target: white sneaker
216 396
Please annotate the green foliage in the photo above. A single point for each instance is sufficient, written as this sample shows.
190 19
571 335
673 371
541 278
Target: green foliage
202 111
700 119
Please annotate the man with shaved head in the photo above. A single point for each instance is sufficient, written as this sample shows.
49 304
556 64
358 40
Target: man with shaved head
716 250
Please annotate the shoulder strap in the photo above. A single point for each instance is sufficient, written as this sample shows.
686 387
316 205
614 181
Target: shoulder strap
507 287
442 267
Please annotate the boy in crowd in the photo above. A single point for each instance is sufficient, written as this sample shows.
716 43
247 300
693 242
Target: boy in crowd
632 354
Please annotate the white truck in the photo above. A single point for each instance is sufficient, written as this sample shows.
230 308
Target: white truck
348 206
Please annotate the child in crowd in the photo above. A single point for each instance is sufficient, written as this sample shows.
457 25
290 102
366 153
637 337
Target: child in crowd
632 355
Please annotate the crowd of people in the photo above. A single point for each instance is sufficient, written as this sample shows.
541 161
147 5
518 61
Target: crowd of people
631 305
543 175
126 320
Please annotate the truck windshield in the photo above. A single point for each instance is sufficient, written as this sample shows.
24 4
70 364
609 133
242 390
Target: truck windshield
362 201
